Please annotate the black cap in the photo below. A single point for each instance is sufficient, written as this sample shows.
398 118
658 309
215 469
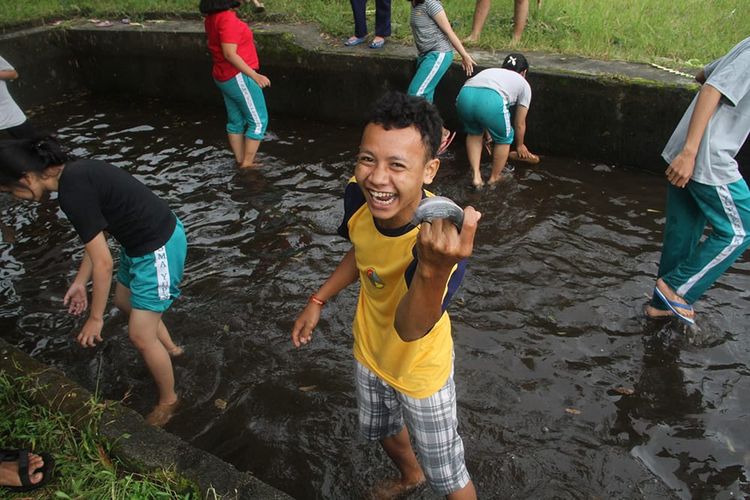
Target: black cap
515 62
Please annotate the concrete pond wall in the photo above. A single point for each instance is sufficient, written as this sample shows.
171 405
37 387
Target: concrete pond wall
610 112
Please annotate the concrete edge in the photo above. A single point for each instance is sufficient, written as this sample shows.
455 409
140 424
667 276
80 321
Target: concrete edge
139 446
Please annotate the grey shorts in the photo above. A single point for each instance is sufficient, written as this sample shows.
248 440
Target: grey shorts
431 422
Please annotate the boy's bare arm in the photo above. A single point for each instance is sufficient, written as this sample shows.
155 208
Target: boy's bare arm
681 169
345 274
439 247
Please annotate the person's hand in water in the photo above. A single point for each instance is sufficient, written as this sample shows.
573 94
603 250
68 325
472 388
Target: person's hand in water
91 333
76 298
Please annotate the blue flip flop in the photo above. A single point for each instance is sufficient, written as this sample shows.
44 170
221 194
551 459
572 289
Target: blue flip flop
351 42
673 305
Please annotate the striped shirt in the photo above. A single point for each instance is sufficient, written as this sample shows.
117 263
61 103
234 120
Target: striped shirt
427 34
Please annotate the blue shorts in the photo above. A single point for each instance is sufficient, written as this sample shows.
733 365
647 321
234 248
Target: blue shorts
154 278
246 106
430 69
481 109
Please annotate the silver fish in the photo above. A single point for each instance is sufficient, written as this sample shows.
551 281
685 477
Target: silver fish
438 207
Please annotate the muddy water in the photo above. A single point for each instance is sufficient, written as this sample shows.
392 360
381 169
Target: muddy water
564 391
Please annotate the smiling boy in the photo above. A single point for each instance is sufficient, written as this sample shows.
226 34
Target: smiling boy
402 334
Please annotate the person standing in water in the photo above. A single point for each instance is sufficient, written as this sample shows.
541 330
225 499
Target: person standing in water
97 197
402 333
483 106
235 72
435 41
705 187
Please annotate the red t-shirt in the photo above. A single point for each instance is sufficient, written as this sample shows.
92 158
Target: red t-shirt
226 27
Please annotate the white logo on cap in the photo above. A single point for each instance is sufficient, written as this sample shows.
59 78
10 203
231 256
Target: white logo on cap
512 60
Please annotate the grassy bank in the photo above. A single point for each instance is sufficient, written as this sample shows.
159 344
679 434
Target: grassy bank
83 467
682 32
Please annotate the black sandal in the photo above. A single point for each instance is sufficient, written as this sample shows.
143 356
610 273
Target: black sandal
21 457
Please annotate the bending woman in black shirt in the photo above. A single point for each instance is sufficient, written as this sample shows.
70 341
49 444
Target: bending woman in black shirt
98 197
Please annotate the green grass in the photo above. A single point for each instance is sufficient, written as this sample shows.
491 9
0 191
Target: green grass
83 467
686 32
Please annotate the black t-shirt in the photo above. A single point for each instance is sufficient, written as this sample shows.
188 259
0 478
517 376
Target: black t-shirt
97 196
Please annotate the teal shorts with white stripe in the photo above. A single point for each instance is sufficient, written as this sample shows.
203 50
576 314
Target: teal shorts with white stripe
246 106
481 109
430 69
154 278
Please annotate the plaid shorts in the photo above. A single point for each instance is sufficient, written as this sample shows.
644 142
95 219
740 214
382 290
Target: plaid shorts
431 422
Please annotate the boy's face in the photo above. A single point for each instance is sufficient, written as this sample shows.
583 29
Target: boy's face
392 166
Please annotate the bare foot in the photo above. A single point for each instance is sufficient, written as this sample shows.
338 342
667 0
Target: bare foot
653 313
477 183
396 488
471 39
494 180
255 164
162 413
9 473
673 297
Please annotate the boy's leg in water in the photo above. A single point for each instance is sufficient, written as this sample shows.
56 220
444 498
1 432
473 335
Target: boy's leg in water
398 448
122 302
237 145
250 150
499 160
474 155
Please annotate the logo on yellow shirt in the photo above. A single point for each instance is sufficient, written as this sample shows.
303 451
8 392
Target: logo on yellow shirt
374 278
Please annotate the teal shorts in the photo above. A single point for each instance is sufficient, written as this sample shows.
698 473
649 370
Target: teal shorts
154 278
481 109
430 69
246 106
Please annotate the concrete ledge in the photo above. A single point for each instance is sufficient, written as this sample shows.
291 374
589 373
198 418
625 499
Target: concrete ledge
605 111
145 448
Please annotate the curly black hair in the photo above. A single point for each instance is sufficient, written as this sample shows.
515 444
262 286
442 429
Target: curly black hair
398 110
213 6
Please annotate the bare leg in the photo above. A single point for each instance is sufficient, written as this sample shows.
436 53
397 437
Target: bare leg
142 328
399 449
481 11
466 493
499 159
122 301
251 148
9 474
237 145
474 155
520 16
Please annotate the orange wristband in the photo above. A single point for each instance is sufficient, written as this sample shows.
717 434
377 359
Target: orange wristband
317 301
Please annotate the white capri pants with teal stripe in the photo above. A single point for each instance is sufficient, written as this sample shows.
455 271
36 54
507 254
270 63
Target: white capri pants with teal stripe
481 109
688 265
431 67
246 107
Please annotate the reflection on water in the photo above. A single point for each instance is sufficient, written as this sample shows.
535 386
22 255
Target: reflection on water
564 390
